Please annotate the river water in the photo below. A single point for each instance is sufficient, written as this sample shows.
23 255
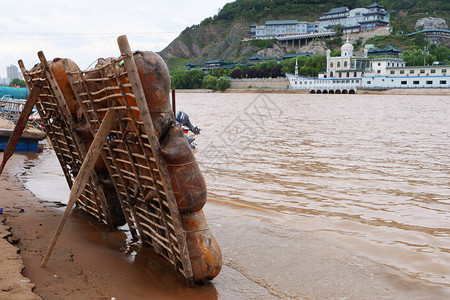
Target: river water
321 196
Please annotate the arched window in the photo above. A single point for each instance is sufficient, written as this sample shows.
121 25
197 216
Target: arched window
331 64
338 64
331 74
345 64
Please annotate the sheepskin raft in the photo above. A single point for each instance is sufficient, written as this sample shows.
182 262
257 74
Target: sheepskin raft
146 175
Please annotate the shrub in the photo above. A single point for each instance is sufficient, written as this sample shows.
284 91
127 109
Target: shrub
223 83
210 82
187 79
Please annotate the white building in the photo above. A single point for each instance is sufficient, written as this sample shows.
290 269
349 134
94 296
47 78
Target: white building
346 74
379 66
275 29
407 77
358 19
346 65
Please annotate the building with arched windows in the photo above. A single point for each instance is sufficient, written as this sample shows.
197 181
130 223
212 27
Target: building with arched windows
346 74
346 65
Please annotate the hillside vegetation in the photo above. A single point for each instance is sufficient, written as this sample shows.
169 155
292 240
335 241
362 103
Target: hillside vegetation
220 36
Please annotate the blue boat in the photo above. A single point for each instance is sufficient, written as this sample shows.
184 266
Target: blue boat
28 142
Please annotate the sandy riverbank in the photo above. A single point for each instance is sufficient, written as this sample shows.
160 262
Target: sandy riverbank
89 262
13 285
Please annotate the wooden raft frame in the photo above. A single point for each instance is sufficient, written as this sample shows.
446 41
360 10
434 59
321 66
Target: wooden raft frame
59 126
132 154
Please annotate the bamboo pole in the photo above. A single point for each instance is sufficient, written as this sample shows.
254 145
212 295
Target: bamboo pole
83 175
20 125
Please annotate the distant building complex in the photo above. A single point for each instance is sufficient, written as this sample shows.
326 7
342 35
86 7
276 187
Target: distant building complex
358 19
355 20
348 73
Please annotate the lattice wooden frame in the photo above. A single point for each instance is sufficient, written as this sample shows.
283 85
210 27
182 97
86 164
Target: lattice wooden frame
132 156
70 151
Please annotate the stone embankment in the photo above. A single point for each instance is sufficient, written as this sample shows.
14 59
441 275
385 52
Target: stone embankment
260 83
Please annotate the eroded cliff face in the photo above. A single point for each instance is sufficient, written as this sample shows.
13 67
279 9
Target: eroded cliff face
433 23
223 41
276 51
190 43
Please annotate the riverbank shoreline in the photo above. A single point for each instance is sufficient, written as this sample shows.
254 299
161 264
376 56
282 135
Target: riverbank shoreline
89 261
419 91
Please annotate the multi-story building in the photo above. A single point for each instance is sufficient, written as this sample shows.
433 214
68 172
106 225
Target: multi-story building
333 18
346 65
375 17
358 19
12 72
275 29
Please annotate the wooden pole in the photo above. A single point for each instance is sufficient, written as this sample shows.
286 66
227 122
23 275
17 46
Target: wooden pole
173 103
20 125
83 175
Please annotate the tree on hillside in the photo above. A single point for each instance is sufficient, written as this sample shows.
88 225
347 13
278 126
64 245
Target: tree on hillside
441 53
420 40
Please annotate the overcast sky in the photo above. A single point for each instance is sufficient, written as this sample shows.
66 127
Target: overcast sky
84 30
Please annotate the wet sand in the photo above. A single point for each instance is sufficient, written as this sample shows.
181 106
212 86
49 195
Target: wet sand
89 262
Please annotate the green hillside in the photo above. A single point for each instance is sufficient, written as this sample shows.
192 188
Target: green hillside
220 37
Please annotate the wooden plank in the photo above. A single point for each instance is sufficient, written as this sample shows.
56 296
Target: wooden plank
83 175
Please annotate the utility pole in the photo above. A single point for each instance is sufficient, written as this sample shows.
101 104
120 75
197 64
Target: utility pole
425 53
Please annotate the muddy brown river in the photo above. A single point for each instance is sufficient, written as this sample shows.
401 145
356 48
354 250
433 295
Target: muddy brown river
317 196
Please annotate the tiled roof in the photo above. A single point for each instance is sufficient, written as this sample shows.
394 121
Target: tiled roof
287 56
209 62
257 57
373 5
386 48
337 10
281 22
